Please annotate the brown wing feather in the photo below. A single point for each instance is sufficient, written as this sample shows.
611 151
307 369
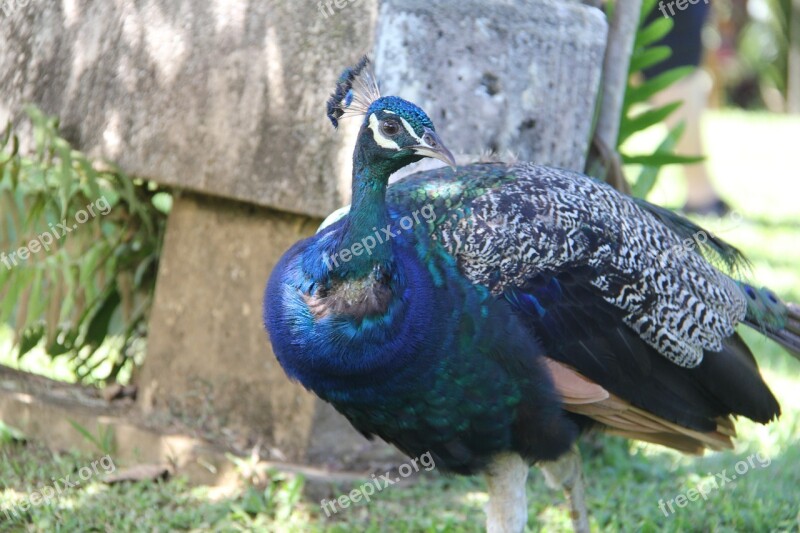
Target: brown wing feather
582 396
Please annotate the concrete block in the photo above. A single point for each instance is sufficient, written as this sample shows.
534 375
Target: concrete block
209 363
518 77
227 98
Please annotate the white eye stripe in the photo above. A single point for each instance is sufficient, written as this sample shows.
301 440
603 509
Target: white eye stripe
411 131
382 140
386 142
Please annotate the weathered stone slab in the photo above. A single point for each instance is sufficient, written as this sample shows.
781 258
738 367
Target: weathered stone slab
209 363
48 411
51 412
227 98
518 77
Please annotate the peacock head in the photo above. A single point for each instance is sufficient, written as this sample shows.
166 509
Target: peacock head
395 132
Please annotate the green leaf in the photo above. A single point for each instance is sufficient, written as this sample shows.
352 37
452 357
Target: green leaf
644 120
10 434
655 31
647 57
143 268
647 177
660 159
103 441
71 307
59 347
14 145
37 304
89 178
5 275
98 327
30 338
68 290
163 202
7 135
65 175
649 88
647 7
17 284
91 262
35 211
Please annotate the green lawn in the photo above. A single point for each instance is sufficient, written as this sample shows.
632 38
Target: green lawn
755 160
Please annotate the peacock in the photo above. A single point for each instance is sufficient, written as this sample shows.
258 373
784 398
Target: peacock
491 314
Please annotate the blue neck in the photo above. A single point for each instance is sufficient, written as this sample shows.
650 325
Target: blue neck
367 216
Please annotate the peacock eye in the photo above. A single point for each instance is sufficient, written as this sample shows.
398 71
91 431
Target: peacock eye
390 127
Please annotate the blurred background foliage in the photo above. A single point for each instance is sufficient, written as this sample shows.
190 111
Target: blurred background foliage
749 55
648 53
86 299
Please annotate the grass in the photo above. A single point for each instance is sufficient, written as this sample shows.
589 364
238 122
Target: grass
756 165
155 506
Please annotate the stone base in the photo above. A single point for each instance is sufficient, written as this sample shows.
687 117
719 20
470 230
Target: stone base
209 362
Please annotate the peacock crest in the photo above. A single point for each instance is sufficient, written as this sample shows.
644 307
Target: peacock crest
355 92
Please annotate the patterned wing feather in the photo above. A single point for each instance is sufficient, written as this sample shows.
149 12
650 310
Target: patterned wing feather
506 225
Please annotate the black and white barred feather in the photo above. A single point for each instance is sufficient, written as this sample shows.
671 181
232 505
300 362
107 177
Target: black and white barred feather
547 220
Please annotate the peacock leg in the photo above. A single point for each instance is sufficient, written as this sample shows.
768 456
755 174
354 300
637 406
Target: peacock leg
566 474
507 511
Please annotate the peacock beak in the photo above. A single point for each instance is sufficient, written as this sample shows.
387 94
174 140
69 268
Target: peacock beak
432 146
